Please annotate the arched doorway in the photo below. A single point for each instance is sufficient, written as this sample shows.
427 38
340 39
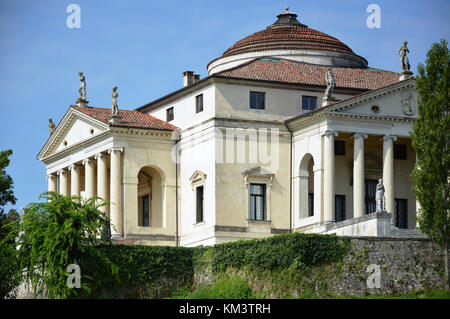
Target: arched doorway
306 186
150 197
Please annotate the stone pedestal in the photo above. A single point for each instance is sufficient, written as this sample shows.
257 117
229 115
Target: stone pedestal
326 102
405 75
115 119
82 103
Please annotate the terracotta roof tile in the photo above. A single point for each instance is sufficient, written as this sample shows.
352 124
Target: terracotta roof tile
287 71
290 37
130 118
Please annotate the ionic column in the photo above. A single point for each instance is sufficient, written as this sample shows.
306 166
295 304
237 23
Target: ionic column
102 178
52 183
74 179
64 182
388 173
89 169
358 174
116 192
328 189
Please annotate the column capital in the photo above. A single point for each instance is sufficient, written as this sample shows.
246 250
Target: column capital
359 135
329 133
51 175
99 155
74 166
87 161
389 137
113 149
62 171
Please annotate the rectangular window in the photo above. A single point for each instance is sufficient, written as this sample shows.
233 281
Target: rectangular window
257 201
401 213
199 103
339 148
145 210
257 100
169 113
371 188
309 102
339 202
400 151
310 204
199 204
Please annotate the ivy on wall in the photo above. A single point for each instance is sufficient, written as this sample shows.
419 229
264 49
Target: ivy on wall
156 271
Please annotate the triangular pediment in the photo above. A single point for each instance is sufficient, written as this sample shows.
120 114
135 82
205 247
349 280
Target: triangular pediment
257 171
74 129
396 101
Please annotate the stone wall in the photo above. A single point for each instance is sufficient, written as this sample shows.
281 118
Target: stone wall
404 265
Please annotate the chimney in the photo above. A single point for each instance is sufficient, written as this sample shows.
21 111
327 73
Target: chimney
196 78
188 78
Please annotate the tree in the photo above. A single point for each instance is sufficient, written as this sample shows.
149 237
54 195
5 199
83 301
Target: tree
59 232
430 139
5 219
6 182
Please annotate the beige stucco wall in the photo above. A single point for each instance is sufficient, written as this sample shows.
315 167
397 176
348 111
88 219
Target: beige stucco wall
155 152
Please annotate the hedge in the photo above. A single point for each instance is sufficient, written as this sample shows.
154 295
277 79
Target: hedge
156 271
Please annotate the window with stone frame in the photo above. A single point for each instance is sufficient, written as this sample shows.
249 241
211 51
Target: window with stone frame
169 114
199 204
309 103
257 201
257 100
198 184
199 103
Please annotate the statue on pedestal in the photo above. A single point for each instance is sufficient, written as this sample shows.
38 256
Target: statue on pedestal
115 108
115 116
331 84
380 199
82 89
51 126
404 58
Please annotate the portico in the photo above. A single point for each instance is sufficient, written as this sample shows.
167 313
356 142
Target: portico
97 171
88 156
351 150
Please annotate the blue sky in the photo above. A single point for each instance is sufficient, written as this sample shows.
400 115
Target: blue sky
143 46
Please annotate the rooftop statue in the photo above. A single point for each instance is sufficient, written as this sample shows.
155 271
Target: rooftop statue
115 108
404 58
331 84
51 126
82 89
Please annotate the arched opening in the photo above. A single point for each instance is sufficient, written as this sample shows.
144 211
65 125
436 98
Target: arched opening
306 186
150 197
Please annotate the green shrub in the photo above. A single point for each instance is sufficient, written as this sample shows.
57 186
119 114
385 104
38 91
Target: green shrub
10 273
280 252
61 231
226 288
150 271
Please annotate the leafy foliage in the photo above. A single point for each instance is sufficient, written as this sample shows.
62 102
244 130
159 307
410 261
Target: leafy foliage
279 252
54 234
156 270
6 182
6 219
431 139
10 271
225 288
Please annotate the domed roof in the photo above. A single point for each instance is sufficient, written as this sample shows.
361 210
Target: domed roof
288 37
